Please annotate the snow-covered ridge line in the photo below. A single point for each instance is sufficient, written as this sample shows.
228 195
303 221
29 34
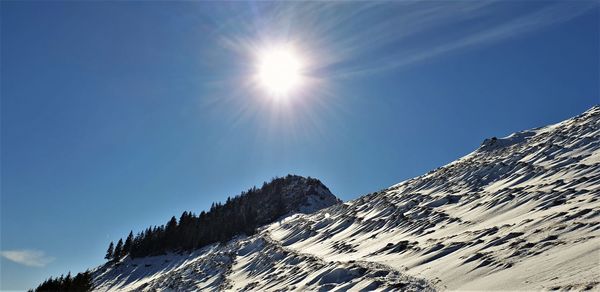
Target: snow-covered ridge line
522 216
519 214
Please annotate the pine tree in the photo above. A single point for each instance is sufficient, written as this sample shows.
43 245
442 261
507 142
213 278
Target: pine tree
109 252
67 283
172 224
170 235
128 244
118 250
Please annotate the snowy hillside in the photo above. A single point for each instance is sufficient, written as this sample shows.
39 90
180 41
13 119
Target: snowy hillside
521 212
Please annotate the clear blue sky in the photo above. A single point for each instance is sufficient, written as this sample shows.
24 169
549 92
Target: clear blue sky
118 115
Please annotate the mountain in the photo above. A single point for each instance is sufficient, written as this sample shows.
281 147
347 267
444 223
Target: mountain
518 213
239 215
300 195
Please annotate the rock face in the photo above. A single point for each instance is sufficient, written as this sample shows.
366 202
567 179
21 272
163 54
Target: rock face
290 195
306 195
518 213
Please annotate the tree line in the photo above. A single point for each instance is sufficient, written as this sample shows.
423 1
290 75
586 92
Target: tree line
241 214
82 282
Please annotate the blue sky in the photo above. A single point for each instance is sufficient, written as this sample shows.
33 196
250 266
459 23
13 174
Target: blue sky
117 115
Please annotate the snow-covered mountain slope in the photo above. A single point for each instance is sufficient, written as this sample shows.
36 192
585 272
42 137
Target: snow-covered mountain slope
257 263
521 212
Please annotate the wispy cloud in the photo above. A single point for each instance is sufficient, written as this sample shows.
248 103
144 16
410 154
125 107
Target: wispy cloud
30 258
356 38
488 31
339 41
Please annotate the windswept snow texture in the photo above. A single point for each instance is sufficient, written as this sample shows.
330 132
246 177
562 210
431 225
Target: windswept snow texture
519 213
257 263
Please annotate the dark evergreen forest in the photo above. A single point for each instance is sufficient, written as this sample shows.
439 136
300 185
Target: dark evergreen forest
241 214
80 283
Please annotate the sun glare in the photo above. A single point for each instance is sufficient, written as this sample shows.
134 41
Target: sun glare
279 71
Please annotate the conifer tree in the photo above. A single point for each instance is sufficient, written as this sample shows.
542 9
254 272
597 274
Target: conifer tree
118 250
109 252
172 224
128 243
67 282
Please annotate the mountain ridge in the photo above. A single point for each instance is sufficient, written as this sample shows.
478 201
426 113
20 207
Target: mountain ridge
481 222
519 212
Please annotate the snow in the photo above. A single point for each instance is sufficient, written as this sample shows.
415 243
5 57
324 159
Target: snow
519 213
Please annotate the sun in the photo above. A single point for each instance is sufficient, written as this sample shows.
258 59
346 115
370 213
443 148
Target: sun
280 71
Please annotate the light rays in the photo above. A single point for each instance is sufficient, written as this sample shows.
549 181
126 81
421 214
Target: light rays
339 43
